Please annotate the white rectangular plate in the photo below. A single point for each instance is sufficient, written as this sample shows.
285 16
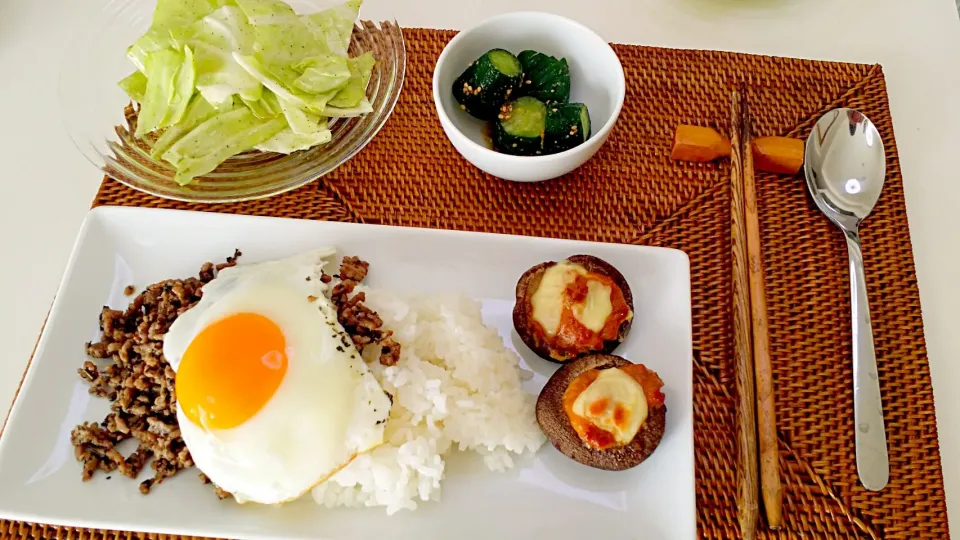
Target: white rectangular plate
545 496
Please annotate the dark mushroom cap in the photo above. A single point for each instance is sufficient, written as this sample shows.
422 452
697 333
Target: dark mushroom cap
523 308
556 425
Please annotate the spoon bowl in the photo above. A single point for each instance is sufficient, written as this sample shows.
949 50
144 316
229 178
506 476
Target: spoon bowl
845 166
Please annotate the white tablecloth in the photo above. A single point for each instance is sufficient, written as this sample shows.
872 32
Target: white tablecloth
47 185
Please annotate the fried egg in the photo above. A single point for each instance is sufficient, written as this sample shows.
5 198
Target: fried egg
272 396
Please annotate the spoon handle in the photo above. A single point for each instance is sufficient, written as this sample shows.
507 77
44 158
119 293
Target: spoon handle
871 442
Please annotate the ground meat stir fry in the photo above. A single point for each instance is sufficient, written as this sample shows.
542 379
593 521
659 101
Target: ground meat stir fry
220 493
362 323
353 269
139 382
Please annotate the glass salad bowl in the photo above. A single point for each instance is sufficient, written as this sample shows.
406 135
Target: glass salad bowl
101 118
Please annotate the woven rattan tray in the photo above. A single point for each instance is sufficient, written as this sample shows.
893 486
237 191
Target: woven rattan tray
631 192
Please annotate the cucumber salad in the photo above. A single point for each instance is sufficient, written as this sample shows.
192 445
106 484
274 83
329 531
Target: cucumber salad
527 98
216 78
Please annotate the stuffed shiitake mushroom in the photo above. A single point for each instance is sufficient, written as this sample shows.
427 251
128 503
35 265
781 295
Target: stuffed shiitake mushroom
603 411
579 306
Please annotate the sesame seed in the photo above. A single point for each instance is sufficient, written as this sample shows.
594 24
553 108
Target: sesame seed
463 107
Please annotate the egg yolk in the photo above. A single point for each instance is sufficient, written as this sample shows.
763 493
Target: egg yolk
230 370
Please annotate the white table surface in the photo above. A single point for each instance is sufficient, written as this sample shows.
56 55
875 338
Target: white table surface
47 185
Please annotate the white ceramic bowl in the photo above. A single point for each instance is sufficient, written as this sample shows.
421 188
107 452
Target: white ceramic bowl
596 79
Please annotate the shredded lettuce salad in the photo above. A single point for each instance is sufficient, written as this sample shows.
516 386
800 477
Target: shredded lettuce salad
216 78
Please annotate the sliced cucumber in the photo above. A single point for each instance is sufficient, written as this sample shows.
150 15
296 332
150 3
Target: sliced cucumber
567 125
545 77
519 127
488 83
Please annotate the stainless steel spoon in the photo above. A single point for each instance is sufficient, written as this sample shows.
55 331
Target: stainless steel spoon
845 167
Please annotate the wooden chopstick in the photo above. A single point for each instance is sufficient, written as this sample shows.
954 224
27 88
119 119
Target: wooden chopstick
747 488
770 488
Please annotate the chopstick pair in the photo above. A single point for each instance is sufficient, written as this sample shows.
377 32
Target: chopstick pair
757 430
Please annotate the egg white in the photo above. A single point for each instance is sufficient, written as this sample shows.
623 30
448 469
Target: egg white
328 408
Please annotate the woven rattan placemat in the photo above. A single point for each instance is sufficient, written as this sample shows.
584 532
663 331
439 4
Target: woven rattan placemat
631 192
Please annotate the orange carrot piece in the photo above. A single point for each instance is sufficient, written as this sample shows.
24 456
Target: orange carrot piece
695 143
778 154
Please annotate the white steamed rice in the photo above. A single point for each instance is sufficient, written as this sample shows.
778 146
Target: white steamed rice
456 386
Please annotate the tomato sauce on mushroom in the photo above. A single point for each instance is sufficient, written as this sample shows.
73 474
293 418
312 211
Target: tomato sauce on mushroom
573 337
592 435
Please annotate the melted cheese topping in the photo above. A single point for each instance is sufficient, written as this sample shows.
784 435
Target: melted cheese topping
594 310
614 402
550 299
